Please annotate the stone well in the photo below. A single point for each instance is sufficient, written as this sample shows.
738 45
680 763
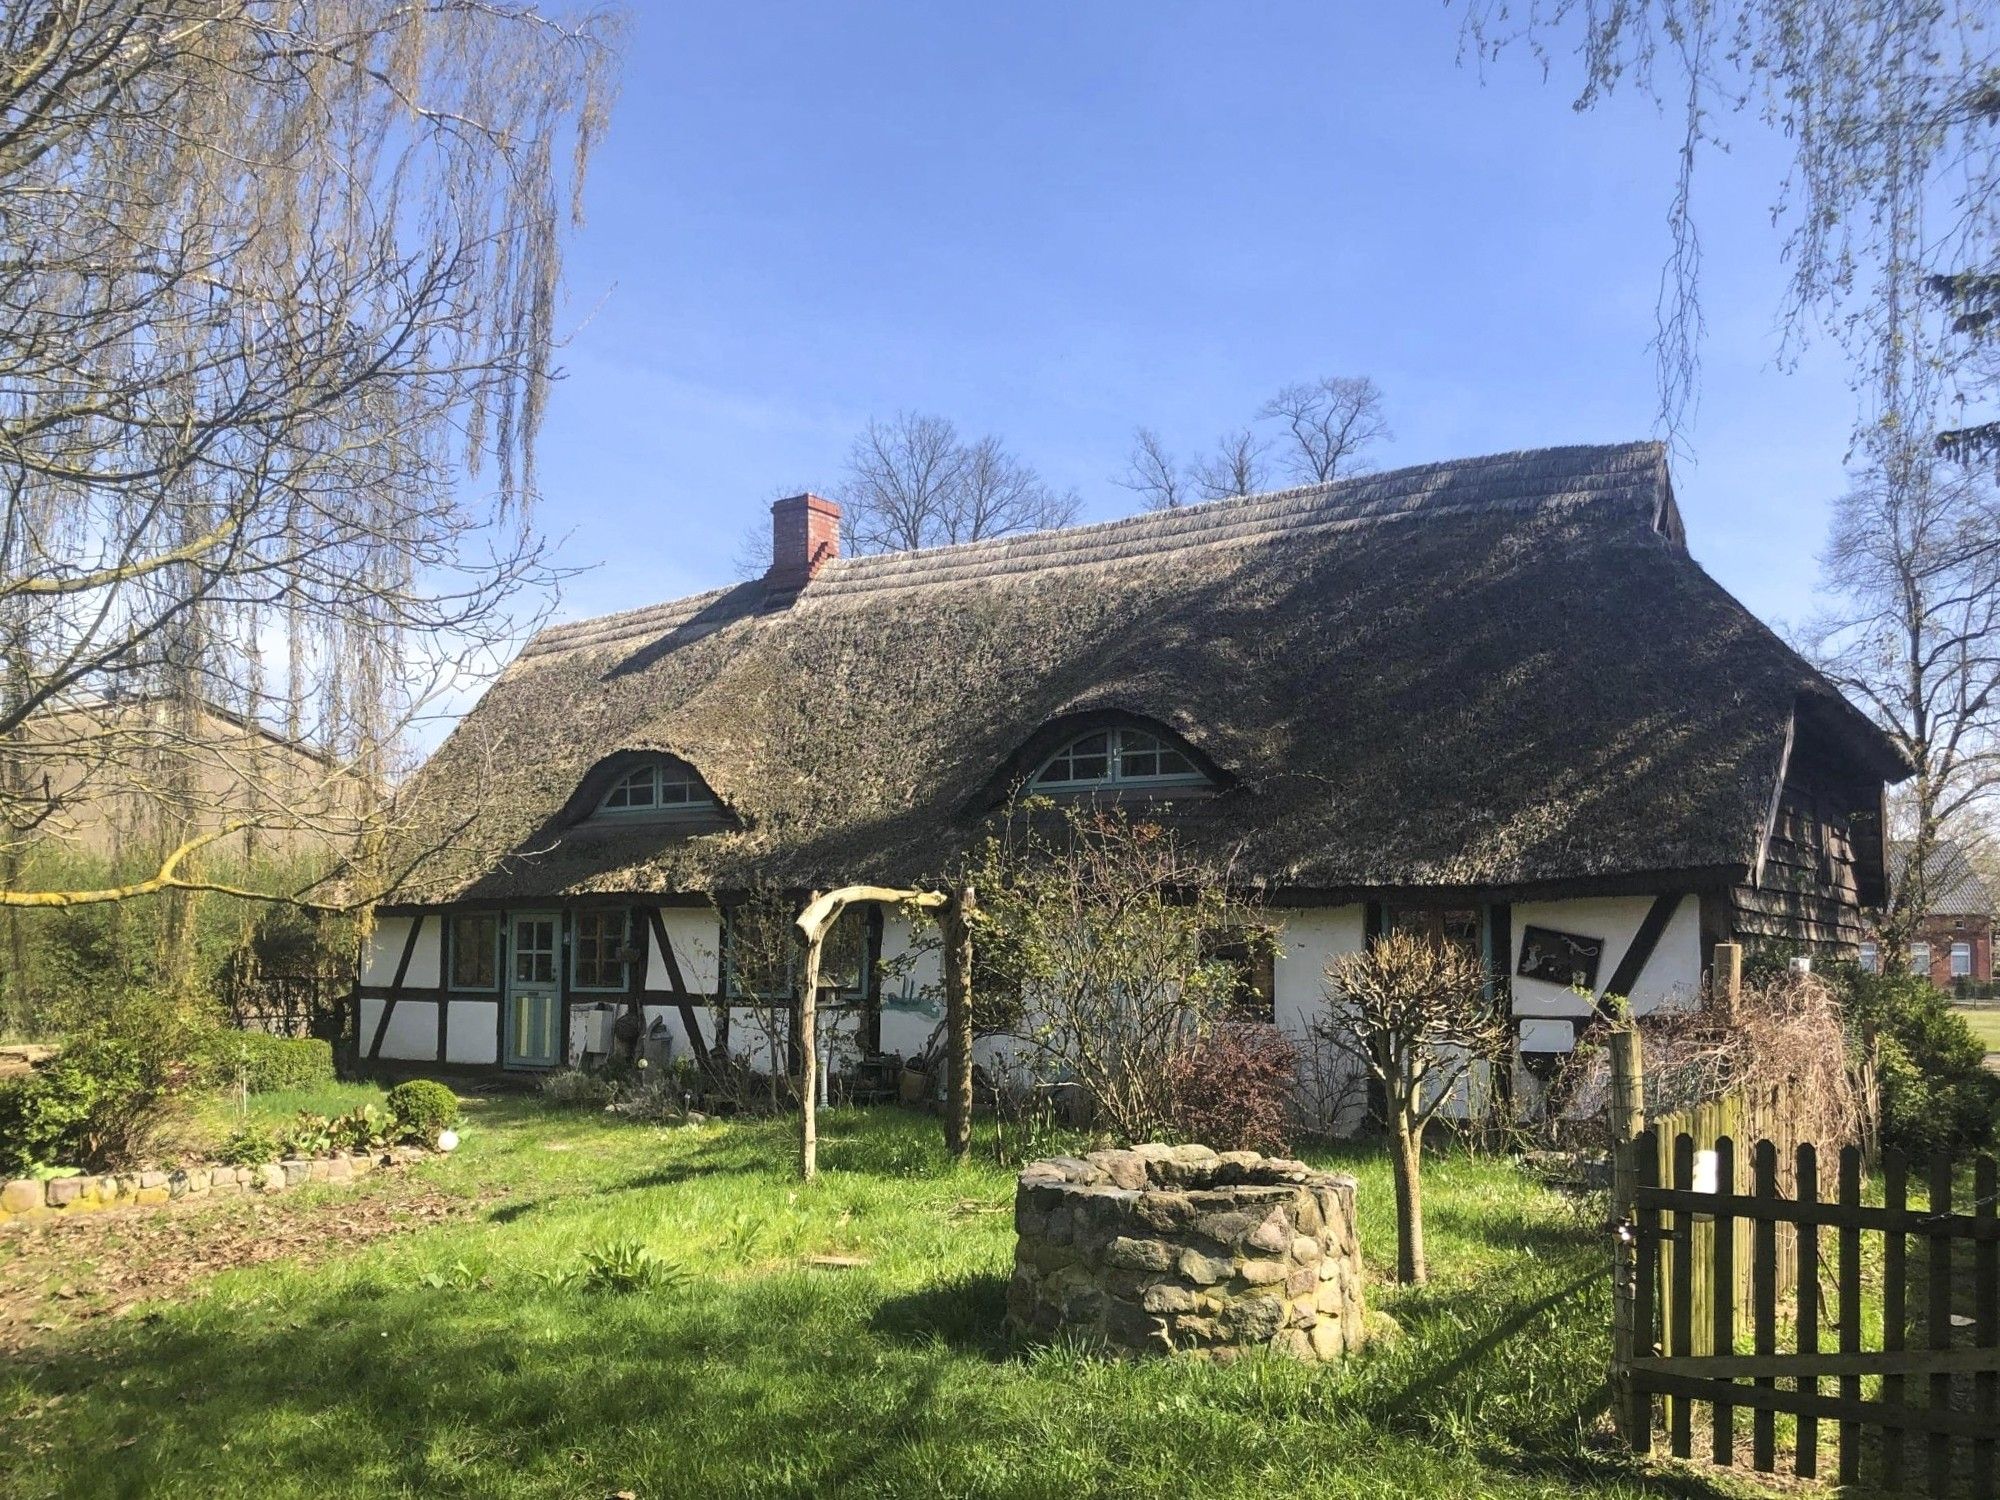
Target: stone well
1165 1248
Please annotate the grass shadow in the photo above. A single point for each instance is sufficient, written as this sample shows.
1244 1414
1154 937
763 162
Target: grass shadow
966 1313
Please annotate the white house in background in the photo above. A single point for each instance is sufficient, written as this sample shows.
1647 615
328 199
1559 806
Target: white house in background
1494 697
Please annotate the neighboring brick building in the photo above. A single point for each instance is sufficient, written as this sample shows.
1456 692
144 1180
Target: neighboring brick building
1955 943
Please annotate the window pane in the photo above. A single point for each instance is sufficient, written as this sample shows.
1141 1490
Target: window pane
1173 763
1920 958
473 944
599 937
1871 958
1961 959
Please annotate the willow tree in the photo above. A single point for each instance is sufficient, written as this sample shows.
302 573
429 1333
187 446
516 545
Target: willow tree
1890 205
278 292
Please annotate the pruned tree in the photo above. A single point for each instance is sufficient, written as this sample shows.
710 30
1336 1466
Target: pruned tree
1329 423
1104 928
914 482
1913 567
1887 111
1416 1013
277 308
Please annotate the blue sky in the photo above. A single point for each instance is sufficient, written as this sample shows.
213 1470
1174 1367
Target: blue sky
1057 221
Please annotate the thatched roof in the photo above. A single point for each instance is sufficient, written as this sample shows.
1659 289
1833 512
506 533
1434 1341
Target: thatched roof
1496 672
1953 887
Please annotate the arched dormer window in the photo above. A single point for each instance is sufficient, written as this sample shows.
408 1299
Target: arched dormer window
1117 758
658 788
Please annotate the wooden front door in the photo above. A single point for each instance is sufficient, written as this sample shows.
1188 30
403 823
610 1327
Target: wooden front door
534 993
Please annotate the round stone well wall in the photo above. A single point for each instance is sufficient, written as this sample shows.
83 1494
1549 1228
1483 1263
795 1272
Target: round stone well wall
1176 1248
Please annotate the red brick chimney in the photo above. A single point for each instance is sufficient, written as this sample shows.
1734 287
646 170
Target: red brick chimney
805 533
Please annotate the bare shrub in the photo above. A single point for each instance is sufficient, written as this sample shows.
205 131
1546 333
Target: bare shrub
1787 1033
1231 1088
1416 1014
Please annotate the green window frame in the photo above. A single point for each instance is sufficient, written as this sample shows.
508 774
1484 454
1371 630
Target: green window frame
474 952
599 936
1110 758
660 788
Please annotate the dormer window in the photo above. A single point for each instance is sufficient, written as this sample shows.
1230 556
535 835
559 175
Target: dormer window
660 788
1114 758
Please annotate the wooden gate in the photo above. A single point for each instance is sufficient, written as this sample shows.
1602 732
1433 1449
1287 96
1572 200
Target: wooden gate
1914 1379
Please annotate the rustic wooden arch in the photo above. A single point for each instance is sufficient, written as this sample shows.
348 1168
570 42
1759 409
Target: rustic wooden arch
955 910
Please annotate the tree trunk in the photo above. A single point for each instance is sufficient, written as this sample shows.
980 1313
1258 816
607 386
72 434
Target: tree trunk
1406 1142
809 1060
958 1025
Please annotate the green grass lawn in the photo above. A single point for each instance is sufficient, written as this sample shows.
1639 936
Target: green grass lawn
451 1358
1985 1023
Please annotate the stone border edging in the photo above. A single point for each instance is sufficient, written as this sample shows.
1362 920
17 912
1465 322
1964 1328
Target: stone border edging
29 1200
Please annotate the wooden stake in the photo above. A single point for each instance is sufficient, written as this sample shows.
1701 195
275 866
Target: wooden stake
958 1023
1631 1410
809 1055
1726 981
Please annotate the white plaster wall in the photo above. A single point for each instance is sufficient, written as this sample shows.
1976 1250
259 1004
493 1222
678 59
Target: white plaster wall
1671 979
472 1032
384 950
696 933
412 1035
912 984
1308 939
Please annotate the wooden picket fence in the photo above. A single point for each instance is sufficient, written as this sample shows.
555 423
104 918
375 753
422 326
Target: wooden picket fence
1934 1406
1758 1114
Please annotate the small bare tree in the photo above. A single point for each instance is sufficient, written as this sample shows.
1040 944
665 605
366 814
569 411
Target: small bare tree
1416 1014
1105 929
914 482
1330 423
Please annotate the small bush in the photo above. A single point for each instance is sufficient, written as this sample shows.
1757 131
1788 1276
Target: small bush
363 1129
423 1107
263 1064
1231 1088
1936 1092
308 1135
112 1091
249 1147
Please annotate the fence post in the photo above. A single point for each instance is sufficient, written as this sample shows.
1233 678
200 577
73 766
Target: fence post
1631 1410
1726 981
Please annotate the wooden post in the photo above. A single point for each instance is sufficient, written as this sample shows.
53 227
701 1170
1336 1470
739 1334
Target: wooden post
1726 981
1630 1410
958 1023
809 1055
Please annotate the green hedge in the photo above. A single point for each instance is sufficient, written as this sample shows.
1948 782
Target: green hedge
1936 1092
265 1064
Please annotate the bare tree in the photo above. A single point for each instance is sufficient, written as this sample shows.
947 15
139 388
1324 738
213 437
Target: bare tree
1913 562
913 482
1154 474
279 285
1415 1013
1235 468
1330 423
